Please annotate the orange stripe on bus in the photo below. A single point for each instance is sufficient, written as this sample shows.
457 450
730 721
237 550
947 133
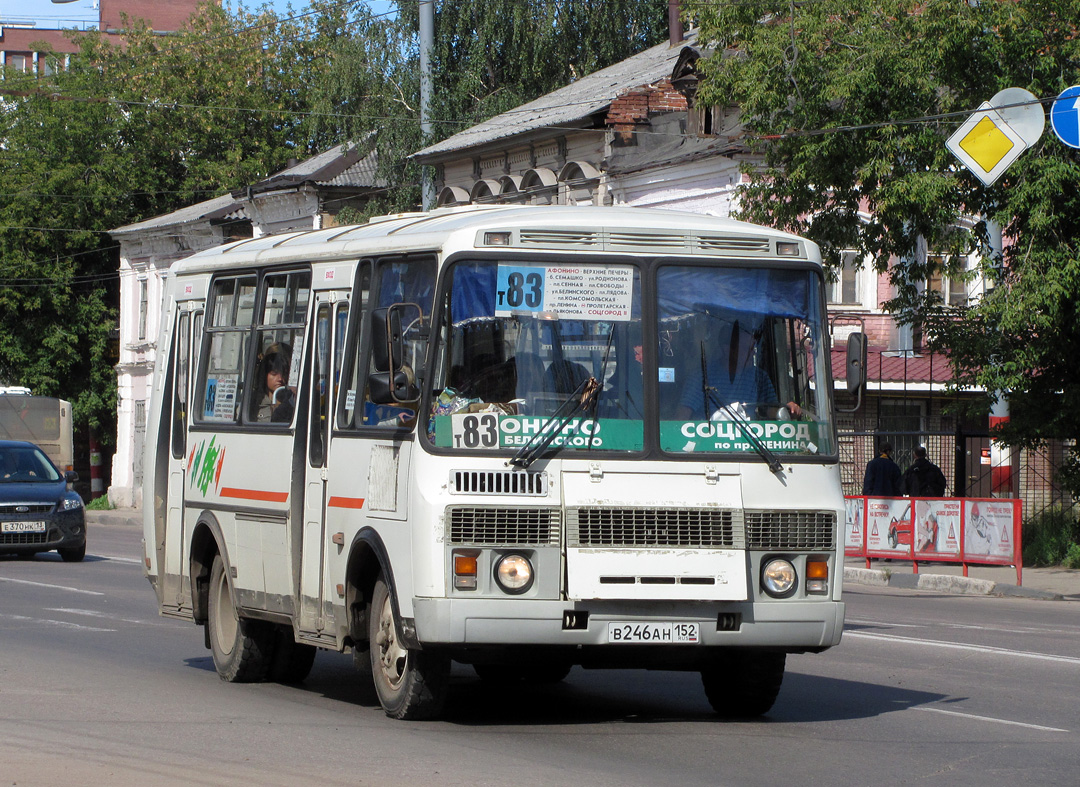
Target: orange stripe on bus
255 494
346 502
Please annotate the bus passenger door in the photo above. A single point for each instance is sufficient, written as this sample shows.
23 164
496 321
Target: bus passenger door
173 597
331 314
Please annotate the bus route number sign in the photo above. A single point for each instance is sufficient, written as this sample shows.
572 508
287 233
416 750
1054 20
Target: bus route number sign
577 292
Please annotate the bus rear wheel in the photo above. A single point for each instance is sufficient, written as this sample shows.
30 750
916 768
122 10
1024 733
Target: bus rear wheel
241 648
410 684
744 684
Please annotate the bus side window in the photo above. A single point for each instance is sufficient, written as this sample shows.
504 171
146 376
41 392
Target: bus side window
350 405
221 367
399 281
180 385
279 337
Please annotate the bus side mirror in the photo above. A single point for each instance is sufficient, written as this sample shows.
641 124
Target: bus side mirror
386 343
856 362
856 366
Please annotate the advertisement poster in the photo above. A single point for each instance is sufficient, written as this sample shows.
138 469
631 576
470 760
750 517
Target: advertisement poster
854 532
937 528
888 526
988 534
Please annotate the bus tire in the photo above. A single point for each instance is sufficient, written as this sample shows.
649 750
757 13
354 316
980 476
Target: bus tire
410 684
744 684
241 648
292 660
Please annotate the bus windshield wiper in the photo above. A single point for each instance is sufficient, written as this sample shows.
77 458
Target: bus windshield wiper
712 398
577 402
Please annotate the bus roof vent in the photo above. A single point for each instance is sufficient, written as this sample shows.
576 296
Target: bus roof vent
548 238
654 241
732 244
498 482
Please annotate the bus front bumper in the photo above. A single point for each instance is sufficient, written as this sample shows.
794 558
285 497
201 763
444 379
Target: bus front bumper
792 626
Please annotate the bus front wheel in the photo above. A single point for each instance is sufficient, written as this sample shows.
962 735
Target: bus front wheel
410 684
743 684
242 649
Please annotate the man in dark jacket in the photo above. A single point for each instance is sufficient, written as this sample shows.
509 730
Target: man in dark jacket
882 477
923 478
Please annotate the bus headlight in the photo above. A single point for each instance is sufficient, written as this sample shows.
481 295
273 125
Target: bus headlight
514 573
778 578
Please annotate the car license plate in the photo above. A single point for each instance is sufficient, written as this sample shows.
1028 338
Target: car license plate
665 633
22 527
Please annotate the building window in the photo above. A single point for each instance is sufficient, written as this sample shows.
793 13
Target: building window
902 422
847 289
142 308
952 289
18 61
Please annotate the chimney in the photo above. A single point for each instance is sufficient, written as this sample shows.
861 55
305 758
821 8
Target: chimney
675 28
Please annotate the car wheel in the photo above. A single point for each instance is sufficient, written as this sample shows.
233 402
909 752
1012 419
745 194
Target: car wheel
73 554
410 683
242 648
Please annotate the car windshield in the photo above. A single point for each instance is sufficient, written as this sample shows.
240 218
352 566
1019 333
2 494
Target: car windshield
527 350
25 464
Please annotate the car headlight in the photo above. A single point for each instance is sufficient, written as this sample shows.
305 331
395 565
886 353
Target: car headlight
778 577
514 573
71 503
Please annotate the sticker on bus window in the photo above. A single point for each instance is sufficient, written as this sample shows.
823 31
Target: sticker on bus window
219 403
495 430
727 436
575 292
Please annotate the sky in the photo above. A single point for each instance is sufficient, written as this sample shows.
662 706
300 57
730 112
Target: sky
83 13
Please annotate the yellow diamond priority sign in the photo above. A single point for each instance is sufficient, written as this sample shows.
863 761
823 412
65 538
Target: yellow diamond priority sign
986 144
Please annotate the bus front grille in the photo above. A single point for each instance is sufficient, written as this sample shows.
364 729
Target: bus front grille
695 528
498 482
790 529
494 526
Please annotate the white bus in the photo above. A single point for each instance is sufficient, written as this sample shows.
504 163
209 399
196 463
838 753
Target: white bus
519 438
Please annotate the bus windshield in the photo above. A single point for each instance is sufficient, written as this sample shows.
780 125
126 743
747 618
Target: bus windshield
741 361
519 345
529 351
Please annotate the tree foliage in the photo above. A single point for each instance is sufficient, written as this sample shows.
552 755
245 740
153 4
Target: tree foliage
850 103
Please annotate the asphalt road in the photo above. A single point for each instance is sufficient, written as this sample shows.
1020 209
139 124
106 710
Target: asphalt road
96 689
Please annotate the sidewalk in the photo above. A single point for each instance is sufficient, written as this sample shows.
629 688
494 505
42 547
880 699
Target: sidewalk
1054 584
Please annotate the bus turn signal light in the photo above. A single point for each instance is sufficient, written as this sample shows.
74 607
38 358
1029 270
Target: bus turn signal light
464 572
817 576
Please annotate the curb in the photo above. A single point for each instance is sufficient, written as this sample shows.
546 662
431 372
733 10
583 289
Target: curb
114 517
942 583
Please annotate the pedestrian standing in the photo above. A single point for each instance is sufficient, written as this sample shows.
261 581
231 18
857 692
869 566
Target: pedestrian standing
923 478
883 478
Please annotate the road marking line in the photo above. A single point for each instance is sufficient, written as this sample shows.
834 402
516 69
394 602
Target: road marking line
51 622
995 629
119 559
58 587
991 718
960 646
96 614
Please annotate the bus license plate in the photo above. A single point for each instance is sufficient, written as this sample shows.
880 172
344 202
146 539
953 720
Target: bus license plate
654 633
22 527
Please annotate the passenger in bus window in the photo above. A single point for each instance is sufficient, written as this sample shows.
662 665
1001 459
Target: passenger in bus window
734 378
276 402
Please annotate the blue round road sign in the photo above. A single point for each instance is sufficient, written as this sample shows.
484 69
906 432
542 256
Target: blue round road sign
1065 116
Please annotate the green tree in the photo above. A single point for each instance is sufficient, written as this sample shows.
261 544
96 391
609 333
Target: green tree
849 103
122 134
